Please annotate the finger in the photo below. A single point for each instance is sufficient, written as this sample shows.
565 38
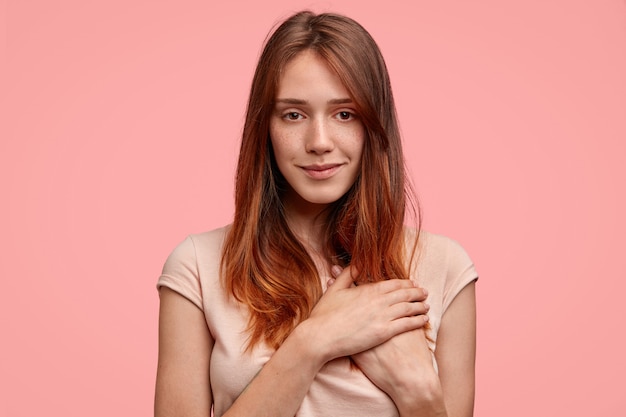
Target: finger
331 281
406 324
343 280
423 294
393 285
410 294
335 270
399 310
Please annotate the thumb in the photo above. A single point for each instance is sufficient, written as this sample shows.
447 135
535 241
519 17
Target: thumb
343 279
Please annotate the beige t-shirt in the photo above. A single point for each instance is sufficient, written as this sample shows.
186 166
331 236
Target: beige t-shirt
192 270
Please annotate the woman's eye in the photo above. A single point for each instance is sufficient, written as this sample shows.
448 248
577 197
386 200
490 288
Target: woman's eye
292 115
344 115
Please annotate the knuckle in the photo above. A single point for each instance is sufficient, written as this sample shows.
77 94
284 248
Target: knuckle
380 332
409 295
407 310
420 308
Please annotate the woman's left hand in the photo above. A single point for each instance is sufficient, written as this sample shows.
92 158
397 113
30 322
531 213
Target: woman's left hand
403 368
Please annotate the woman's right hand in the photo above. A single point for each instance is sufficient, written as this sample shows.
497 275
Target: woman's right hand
349 319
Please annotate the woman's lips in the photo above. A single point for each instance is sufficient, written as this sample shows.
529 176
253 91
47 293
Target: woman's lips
321 172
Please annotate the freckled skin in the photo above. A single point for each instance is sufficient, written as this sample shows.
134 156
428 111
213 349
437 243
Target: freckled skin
315 132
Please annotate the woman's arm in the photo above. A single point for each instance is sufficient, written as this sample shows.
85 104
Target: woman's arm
402 366
456 353
346 320
182 385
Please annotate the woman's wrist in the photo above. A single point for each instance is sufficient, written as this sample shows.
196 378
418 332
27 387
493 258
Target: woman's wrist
422 396
305 337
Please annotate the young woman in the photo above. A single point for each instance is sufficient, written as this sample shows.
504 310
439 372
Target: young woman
313 301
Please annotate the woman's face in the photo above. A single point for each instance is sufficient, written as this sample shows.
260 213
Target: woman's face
316 134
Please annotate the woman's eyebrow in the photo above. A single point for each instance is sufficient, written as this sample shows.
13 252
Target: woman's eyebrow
302 102
340 101
291 101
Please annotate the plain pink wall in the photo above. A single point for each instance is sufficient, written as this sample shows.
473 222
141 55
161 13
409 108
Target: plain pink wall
119 137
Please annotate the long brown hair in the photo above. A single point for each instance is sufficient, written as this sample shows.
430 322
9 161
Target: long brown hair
264 266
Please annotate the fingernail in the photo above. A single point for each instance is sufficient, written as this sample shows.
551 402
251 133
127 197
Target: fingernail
427 306
425 317
331 282
425 291
336 270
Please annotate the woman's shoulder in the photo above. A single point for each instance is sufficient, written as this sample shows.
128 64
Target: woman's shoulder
211 238
193 261
427 239
195 247
434 248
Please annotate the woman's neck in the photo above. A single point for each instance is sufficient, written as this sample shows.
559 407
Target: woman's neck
308 223
308 229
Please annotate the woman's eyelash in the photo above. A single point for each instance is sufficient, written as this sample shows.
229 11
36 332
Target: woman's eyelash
342 115
292 115
346 115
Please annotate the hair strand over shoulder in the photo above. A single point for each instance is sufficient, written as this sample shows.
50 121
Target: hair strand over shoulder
264 266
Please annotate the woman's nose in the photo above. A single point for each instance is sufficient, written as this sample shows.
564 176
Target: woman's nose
319 138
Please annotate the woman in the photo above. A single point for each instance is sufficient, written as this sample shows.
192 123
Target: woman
309 303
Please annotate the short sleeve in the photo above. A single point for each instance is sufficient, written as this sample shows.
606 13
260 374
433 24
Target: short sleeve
180 272
460 270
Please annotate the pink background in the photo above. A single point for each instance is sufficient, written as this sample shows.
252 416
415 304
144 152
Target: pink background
120 128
